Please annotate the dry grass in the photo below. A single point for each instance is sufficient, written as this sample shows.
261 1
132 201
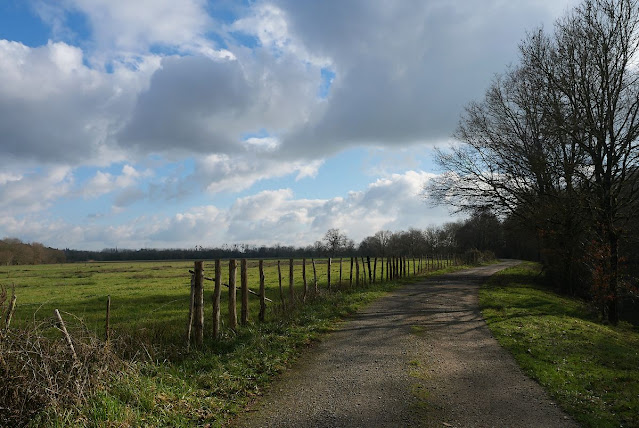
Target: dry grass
39 371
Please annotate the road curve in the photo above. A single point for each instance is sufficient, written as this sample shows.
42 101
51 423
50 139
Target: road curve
422 356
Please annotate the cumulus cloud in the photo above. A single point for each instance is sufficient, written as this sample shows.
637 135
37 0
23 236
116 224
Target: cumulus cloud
34 191
104 182
160 79
402 72
124 28
405 69
56 110
263 218
224 173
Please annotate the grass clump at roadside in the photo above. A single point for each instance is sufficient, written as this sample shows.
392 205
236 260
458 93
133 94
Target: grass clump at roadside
589 368
156 387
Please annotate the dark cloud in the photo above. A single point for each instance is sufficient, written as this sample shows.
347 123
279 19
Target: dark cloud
404 70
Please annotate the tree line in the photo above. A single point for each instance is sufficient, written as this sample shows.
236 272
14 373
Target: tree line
552 149
481 232
15 252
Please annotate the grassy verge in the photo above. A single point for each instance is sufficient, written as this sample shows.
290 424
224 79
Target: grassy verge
590 369
210 385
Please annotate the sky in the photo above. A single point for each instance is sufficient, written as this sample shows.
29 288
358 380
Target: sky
174 124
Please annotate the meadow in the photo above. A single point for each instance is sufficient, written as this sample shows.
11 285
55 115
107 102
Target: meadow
151 299
158 382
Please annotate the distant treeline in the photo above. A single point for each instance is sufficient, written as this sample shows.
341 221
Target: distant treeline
15 252
481 232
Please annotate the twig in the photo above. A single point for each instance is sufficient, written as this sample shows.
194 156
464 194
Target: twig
63 328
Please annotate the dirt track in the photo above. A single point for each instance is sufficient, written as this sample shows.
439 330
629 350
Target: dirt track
422 356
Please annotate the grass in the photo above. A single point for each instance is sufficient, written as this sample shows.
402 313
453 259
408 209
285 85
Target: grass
590 369
205 387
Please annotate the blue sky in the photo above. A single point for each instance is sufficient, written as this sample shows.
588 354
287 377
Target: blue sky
163 123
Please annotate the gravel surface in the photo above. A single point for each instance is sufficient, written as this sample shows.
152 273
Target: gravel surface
422 356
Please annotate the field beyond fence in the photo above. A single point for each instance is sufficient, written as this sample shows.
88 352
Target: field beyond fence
158 312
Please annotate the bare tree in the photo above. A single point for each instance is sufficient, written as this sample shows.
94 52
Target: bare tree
336 241
555 140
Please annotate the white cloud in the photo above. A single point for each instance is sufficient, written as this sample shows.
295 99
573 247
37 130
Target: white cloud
103 183
35 191
234 173
264 218
124 28
56 110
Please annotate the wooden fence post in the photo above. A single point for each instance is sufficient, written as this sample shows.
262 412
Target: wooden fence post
329 273
245 292
356 272
370 273
314 276
232 296
363 273
375 271
217 290
350 278
304 279
262 293
340 272
198 303
291 290
108 318
279 278
189 327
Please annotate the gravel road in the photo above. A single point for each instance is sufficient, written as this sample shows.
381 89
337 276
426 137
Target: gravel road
422 356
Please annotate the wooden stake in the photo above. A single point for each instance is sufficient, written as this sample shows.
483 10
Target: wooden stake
198 303
356 272
350 279
291 289
245 292
329 273
217 291
279 278
262 293
304 280
340 272
314 276
12 308
370 273
232 297
189 326
63 328
108 317
375 271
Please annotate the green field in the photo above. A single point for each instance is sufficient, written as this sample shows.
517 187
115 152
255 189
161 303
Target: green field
591 369
149 299
160 384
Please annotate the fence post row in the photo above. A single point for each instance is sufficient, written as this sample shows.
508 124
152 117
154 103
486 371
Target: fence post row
396 267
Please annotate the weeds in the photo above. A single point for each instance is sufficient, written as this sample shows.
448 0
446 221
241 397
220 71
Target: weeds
38 372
